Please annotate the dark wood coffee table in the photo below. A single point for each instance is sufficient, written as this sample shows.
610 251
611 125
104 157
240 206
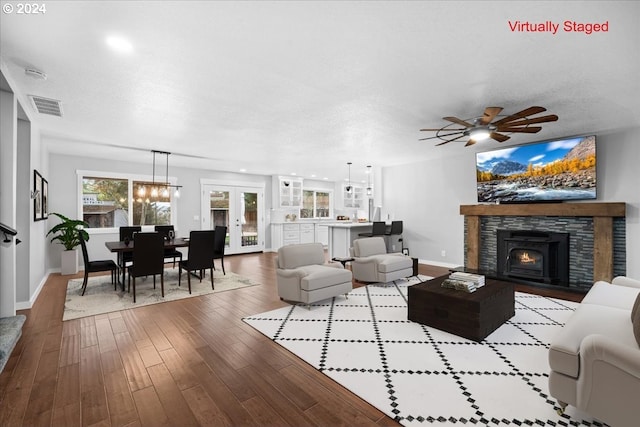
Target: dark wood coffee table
470 315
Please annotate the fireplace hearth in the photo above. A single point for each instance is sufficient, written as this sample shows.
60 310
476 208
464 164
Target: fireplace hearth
533 255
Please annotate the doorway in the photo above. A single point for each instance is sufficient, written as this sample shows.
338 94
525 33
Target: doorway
241 210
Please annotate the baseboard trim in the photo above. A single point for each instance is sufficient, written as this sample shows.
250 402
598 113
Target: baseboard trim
438 263
26 305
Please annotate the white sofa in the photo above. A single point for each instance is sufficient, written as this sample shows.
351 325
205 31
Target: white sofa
595 359
372 263
303 276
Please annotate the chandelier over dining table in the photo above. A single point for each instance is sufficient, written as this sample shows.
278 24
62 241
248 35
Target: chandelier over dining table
160 189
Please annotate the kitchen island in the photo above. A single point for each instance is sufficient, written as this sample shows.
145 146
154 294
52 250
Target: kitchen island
342 235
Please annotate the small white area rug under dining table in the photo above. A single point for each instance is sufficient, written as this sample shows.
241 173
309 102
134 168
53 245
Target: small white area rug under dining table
420 375
100 297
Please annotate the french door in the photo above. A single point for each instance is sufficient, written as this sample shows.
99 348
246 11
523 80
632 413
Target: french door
241 210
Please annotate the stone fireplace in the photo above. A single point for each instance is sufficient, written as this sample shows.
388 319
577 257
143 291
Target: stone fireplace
533 255
597 233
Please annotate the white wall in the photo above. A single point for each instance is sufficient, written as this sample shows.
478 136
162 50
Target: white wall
23 269
63 196
8 185
427 196
24 210
38 241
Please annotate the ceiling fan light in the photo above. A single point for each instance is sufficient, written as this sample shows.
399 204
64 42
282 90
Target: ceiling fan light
479 134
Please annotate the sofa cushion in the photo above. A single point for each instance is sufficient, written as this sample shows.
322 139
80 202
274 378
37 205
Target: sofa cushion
588 319
294 256
389 263
321 276
604 293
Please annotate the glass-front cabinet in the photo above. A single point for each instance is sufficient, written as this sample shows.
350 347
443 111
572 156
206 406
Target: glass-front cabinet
353 198
290 192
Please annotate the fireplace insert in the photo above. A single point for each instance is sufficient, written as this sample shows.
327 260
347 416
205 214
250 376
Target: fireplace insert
537 256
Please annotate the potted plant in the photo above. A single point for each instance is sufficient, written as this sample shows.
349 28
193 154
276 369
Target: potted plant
68 234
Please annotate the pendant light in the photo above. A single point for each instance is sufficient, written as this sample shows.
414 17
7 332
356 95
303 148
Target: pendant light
160 188
369 189
348 188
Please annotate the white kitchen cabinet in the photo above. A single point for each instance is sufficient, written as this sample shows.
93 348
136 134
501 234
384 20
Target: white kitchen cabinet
290 192
307 233
291 234
353 198
322 234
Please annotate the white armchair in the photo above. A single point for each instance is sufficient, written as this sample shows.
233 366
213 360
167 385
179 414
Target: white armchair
303 276
372 263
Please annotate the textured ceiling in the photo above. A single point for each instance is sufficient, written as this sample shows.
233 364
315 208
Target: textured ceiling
304 87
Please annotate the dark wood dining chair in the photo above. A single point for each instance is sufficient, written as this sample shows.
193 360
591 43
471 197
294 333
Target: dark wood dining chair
148 259
219 242
96 266
173 253
126 258
201 245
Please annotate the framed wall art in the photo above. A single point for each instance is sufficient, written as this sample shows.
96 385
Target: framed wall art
45 204
37 196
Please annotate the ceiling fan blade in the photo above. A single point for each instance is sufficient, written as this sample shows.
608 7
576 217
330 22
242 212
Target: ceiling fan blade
498 136
441 129
451 140
442 136
519 115
530 129
458 121
470 142
489 114
542 119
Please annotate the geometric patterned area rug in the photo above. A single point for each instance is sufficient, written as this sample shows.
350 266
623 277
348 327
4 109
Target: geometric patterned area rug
420 375
100 297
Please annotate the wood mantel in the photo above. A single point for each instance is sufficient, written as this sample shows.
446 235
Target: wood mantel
547 209
602 213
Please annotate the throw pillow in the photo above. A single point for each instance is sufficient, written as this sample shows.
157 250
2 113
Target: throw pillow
636 320
636 307
636 327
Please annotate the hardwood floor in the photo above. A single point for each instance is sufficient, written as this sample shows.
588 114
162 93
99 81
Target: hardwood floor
187 362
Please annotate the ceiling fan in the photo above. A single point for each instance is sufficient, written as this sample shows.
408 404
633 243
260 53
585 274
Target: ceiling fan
480 128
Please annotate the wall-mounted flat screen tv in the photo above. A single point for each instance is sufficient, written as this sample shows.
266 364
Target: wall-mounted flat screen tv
557 170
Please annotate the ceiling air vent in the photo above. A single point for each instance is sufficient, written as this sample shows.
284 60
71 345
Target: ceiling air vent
46 105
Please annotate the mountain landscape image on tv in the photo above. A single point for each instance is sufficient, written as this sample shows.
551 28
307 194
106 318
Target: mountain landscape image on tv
563 169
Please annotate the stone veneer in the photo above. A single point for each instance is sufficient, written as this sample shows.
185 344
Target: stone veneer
581 234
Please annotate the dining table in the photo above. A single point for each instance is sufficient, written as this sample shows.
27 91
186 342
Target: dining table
122 247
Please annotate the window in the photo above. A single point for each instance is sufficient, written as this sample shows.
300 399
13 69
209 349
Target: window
151 207
315 204
115 201
105 202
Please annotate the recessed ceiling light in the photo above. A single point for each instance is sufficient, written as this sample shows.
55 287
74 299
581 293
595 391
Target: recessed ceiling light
293 173
325 178
243 170
313 175
119 44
